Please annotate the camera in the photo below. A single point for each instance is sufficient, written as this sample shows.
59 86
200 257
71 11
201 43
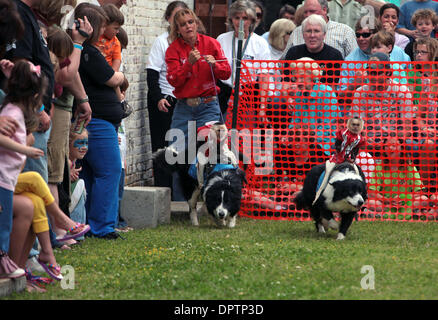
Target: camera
78 28
77 24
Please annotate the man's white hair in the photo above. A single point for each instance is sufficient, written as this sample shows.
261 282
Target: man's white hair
315 19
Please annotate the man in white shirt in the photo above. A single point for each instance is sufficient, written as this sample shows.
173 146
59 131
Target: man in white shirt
339 35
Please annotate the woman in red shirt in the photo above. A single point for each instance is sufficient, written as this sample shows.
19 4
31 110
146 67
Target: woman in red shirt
194 63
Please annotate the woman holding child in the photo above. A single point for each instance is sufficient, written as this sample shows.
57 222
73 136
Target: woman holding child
101 167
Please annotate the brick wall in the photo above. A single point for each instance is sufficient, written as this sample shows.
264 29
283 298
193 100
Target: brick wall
143 23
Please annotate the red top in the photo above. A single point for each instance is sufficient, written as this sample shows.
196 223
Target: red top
349 141
191 81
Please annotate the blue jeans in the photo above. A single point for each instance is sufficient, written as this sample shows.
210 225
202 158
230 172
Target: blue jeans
6 215
39 165
121 223
101 169
202 114
182 114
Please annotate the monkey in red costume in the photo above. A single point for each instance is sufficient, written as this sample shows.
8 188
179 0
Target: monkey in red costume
347 145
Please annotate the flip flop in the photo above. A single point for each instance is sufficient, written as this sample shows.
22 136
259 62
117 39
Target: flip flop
69 235
48 268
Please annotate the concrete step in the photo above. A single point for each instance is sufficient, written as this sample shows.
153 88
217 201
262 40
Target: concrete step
9 286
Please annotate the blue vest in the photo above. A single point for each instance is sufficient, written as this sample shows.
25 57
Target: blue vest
218 167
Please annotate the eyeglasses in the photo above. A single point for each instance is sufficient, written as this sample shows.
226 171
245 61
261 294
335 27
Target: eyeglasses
259 15
418 52
289 33
363 34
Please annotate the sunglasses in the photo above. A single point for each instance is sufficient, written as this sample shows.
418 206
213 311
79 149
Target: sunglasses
363 35
259 15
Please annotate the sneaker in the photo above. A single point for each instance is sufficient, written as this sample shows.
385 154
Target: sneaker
33 265
15 274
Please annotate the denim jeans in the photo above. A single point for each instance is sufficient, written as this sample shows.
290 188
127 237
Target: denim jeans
120 221
101 169
182 114
202 114
39 165
78 214
6 215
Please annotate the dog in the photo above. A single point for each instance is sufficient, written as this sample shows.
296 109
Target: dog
219 185
345 192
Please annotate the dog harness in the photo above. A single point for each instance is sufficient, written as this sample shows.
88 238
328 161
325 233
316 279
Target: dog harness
210 169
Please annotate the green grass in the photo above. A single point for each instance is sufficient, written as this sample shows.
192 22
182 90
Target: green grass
256 260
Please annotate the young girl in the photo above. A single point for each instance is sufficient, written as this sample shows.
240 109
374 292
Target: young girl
25 90
78 149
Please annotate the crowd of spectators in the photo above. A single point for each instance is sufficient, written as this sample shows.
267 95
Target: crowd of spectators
59 181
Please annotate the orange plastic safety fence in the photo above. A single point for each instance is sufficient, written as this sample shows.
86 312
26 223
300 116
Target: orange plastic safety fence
288 115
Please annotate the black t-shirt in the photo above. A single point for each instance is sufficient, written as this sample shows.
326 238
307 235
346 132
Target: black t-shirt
95 72
33 47
327 53
409 49
330 71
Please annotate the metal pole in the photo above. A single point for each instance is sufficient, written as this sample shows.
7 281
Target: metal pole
237 78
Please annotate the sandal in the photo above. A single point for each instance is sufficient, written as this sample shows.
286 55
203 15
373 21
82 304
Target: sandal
73 232
54 271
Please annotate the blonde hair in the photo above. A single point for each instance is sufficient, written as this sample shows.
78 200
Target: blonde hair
174 33
278 30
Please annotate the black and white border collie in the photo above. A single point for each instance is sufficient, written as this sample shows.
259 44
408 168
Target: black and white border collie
345 193
218 185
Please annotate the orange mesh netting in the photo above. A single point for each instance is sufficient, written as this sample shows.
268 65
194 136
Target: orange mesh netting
288 115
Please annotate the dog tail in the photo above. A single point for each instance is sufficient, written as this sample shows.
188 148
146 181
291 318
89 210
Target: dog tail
300 201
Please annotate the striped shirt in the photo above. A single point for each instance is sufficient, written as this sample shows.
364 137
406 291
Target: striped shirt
339 36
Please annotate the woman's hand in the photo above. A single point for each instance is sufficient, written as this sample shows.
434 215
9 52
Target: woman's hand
85 26
210 60
7 126
194 56
163 105
6 66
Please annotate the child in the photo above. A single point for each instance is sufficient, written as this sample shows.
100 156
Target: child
348 142
108 43
382 41
26 87
33 186
78 148
424 21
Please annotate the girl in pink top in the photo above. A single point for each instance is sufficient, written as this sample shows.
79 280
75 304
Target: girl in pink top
25 91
